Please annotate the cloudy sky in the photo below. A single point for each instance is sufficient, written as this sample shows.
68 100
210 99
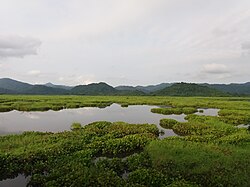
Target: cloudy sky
125 42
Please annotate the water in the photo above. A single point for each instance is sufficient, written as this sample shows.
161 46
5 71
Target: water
19 181
243 126
208 111
55 121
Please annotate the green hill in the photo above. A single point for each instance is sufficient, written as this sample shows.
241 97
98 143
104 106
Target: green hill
144 89
49 84
10 86
126 88
6 91
101 89
44 90
14 86
94 89
153 88
189 89
238 89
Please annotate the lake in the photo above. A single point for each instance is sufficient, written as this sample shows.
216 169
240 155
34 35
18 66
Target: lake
55 121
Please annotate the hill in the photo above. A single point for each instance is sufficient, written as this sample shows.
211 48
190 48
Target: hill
237 89
189 89
10 86
14 86
126 88
144 89
44 90
49 84
6 91
153 88
94 89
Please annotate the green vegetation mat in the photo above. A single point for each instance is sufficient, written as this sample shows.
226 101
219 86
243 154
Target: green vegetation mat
209 151
233 110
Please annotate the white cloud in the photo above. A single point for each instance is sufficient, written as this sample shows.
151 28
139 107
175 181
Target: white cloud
215 68
245 45
34 72
216 73
77 79
94 20
18 46
91 41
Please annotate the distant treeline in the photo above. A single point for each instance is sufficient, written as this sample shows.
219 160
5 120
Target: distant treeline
10 86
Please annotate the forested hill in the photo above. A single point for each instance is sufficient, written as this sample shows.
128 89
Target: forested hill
10 86
94 89
189 89
236 89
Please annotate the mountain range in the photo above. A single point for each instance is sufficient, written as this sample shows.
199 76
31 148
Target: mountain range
10 86
145 89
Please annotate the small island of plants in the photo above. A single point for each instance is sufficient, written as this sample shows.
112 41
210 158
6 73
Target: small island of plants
208 151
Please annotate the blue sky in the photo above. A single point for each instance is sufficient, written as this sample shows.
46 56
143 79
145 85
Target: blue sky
125 42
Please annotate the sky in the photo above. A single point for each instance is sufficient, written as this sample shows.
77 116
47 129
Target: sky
125 42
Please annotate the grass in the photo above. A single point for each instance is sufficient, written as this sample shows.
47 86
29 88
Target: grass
67 155
211 151
233 110
168 123
75 126
99 153
205 164
168 111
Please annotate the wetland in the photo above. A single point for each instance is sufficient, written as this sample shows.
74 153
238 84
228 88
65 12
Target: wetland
119 135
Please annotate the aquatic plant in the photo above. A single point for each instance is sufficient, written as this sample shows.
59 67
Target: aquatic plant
67 157
168 123
169 111
203 163
213 151
75 126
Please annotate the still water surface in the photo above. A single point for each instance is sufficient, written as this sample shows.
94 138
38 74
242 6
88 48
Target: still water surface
19 181
55 121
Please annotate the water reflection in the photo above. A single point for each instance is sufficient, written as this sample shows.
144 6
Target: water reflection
19 181
243 126
54 121
208 111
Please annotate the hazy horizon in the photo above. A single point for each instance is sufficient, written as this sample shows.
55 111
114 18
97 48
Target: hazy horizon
122 84
132 42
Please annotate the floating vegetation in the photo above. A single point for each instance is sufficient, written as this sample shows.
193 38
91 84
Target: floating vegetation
233 110
210 151
68 155
75 126
168 123
201 111
168 111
